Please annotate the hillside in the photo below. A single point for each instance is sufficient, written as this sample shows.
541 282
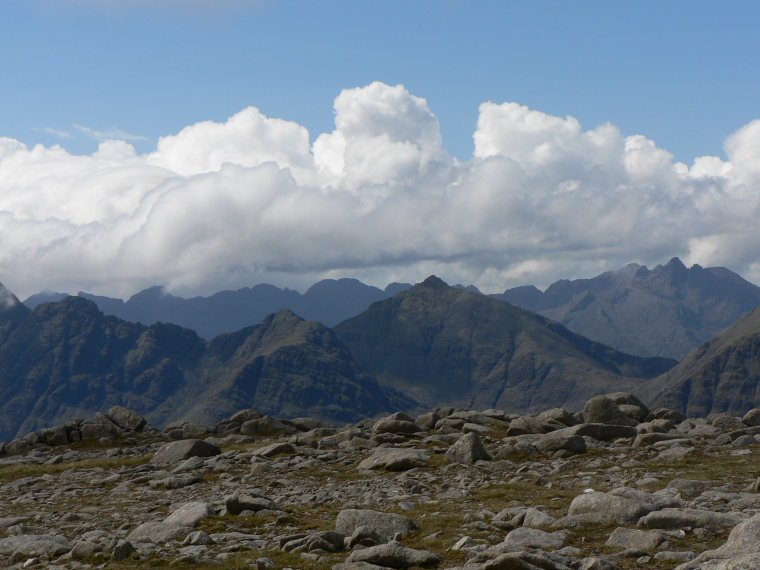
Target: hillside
444 345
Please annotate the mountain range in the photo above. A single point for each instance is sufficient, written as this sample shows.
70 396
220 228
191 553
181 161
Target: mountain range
666 311
427 345
67 360
329 302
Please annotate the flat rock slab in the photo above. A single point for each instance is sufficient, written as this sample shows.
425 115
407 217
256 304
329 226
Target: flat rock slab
158 532
35 545
190 514
5 522
395 555
177 451
395 459
631 538
524 561
384 525
524 537
694 518
605 508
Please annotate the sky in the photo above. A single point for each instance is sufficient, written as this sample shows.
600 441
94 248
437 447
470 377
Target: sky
213 144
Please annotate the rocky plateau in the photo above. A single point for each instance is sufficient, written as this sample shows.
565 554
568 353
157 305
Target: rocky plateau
613 486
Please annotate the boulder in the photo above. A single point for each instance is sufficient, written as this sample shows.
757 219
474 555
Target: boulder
126 419
43 545
384 525
395 555
467 449
404 427
604 508
239 502
525 561
633 539
602 410
155 531
190 514
274 449
99 426
391 459
601 432
524 537
681 518
177 451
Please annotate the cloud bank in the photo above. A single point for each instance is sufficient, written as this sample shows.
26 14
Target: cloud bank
253 199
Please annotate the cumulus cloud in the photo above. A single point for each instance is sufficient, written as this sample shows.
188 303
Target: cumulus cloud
253 199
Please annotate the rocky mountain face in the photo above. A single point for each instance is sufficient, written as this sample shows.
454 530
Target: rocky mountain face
448 346
328 302
615 486
723 375
66 360
667 311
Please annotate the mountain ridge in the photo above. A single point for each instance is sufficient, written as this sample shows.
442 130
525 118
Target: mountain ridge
667 311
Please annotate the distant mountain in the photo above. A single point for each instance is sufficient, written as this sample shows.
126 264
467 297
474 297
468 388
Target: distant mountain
667 311
329 302
11 309
448 346
67 359
723 375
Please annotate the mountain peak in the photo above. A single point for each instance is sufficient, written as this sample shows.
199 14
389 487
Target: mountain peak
7 299
434 282
675 264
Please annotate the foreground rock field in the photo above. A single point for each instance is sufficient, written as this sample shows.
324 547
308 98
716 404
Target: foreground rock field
613 486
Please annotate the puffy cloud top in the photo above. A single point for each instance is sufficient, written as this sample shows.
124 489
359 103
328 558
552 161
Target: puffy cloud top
252 199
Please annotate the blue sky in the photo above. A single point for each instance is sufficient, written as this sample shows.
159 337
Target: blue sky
209 144
683 73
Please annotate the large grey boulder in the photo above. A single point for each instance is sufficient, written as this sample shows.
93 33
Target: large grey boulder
634 539
157 531
604 508
239 502
42 545
602 410
741 549
127 419
384 525
99 426
177 451
525 560
395 555
524 537
190 514
397 426
467 449
391 459
602 432
682 518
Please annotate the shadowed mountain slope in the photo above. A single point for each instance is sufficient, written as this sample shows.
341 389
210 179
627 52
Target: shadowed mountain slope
723 375
448 346
667 311
67 359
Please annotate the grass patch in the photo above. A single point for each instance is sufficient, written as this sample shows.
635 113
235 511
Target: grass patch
13 472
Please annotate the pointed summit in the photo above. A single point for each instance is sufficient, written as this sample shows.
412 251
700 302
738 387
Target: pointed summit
675 264
434 282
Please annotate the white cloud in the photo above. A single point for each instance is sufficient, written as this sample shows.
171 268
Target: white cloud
251 199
